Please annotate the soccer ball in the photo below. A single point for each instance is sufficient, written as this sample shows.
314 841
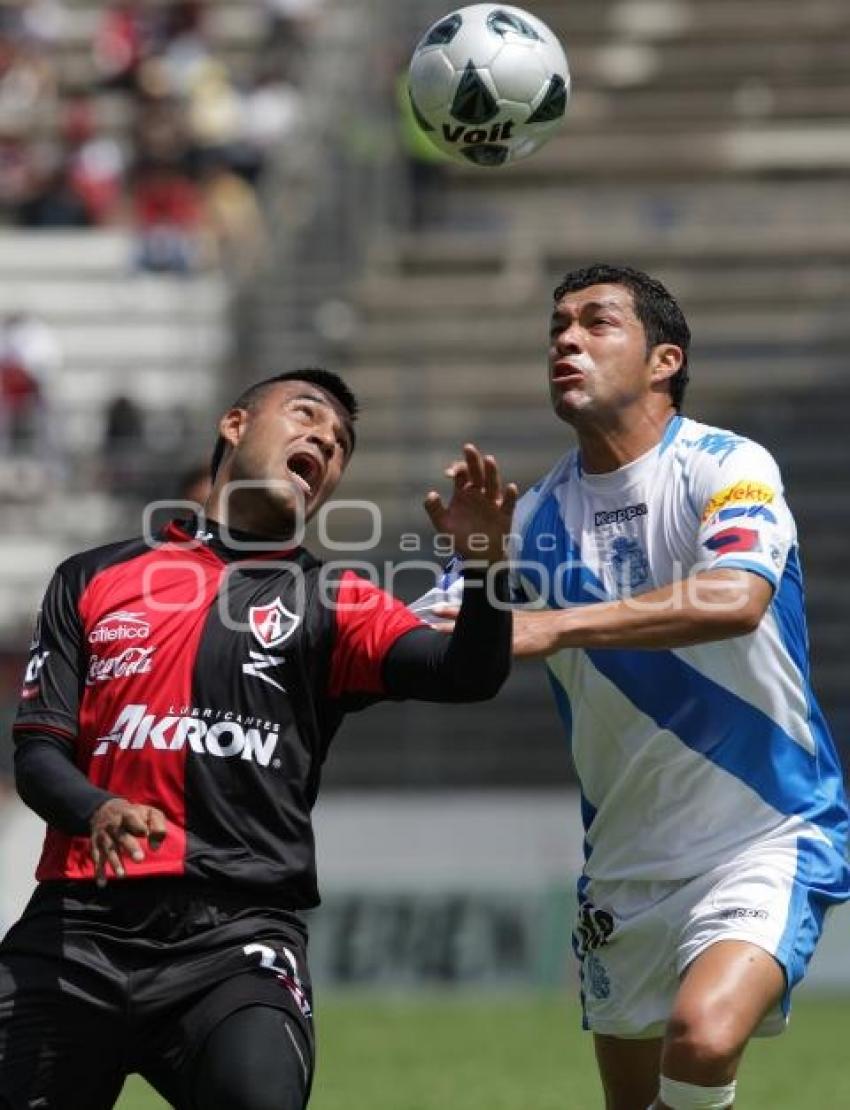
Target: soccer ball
489 84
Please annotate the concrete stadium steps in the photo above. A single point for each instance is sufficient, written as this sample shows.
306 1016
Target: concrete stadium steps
159 340
666 19
698 109
80 297
393 287
46 254
688 61
39 532
512 334
521 250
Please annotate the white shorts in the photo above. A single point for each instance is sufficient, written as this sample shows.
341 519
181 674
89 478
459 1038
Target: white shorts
635 939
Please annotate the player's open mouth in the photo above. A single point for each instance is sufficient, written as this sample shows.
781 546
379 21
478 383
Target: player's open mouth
566 372
306 470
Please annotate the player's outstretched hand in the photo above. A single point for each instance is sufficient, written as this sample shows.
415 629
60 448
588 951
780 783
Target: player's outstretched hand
117 829
478 516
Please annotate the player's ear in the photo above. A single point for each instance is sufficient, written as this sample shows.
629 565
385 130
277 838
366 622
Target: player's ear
232 425
665 361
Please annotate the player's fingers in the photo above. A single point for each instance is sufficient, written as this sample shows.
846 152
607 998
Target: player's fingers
474 464
128 843
99 863
492 479
114 860
449 612
434 507
134 821
443 627
510 497
157 827
461 476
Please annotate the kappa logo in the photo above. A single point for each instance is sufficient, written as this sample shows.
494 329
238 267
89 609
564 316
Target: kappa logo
272 624
120 625
135 729
741 493
744 913
620 516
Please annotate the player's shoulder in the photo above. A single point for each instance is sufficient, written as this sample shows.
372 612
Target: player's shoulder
82 566
565 470
710 452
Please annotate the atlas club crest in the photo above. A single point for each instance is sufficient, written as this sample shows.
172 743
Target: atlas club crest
272 624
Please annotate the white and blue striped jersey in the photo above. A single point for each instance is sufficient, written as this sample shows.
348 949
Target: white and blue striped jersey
685 756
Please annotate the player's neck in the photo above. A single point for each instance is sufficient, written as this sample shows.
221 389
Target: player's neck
607 446
248 520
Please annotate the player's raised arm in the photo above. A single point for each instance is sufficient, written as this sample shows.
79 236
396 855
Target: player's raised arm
473 663
478 516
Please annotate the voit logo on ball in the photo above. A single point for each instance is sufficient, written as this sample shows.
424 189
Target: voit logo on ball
489 84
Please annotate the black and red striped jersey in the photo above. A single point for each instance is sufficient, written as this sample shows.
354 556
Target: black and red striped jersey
209 683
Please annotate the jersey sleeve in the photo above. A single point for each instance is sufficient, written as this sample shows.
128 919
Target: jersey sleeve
744 522
50 695
447 591
368 623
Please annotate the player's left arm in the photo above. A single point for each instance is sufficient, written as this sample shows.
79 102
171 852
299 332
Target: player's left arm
710 605
743 536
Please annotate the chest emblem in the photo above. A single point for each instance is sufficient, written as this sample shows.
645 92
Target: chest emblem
272 624
629 564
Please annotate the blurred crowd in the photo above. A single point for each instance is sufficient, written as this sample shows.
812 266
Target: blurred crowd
161 116
142 120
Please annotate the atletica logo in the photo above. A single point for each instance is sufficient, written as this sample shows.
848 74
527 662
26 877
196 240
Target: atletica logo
133 660
136 729
120 626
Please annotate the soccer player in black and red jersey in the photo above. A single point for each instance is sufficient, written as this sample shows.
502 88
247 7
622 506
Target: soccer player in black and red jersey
176 711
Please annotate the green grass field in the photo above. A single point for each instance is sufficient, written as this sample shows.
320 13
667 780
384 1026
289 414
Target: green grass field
526 1052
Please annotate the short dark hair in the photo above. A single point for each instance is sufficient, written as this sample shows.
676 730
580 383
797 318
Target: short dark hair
659 312
325 379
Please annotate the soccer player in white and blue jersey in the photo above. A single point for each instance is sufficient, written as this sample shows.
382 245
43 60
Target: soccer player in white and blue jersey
663 559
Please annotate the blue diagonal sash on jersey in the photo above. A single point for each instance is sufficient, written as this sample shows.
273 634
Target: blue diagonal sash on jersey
707 717
557 574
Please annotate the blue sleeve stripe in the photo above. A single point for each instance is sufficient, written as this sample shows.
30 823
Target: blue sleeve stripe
670 432
734 563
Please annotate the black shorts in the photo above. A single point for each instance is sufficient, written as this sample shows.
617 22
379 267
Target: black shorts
98 984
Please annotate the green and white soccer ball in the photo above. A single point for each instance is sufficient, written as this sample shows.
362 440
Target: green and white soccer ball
489 84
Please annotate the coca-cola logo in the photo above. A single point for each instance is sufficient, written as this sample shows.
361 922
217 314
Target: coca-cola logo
120 626
131 661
